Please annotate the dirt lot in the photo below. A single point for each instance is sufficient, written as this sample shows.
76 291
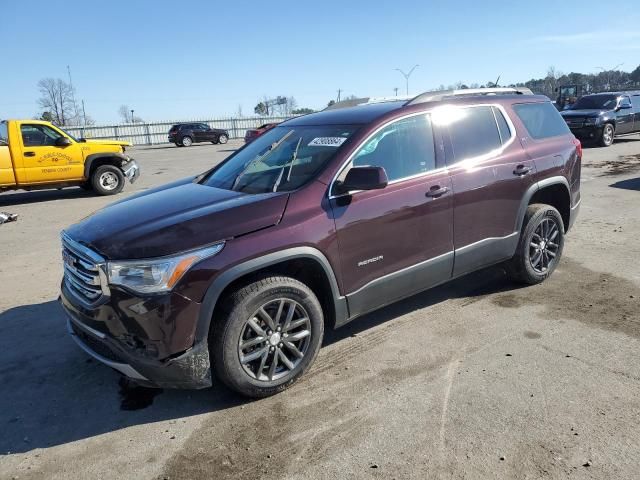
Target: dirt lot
476 379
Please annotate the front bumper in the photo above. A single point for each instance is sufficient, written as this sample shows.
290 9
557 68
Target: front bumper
587 132
189 369
131 170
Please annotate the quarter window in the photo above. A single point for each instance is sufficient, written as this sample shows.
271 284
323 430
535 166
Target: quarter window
404 148
474 133
38 135
541 120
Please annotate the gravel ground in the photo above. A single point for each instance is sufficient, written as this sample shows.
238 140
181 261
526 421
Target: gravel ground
475 379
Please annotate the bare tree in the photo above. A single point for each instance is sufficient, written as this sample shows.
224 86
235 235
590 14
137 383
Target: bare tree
125 112
57 99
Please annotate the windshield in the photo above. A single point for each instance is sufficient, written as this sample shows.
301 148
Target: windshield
596 102
282 159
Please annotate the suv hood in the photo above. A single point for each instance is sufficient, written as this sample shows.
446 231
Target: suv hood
180 216
108 142
582 113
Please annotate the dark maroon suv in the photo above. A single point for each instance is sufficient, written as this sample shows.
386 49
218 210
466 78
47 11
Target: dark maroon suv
238 271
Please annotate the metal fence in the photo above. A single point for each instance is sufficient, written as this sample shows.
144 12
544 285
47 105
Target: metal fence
156 132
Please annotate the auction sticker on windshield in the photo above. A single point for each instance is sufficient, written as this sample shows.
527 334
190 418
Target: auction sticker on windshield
327 142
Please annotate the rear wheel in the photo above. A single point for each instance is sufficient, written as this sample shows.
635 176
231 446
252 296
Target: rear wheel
606 139
540 246
187 141
269 335
107 180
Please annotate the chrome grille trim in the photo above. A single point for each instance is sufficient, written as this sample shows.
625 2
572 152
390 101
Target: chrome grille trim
83 271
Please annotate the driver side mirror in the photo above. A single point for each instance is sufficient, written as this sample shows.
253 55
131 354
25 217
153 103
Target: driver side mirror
63 142
363 178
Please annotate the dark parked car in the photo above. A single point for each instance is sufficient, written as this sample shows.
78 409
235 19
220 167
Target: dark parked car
602 116
238 271
186 134
254 133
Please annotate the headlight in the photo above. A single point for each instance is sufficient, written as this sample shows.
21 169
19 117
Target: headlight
157 274
592 121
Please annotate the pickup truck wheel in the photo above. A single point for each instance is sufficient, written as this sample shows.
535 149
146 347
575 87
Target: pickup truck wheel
608 132
187 141
222 139
268 336
107 180
540 245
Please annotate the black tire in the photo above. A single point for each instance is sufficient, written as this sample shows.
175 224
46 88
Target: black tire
178 144
521 267
242 305
606 138
107 180
187 141
222 139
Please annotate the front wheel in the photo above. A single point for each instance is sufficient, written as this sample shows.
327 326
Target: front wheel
540 246
107 180
222 139
270 335
608 132
187 141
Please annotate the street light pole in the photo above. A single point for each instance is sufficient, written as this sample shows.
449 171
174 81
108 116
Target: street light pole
407 75
131 115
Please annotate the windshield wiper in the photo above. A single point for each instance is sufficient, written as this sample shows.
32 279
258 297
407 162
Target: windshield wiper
289 163
264 156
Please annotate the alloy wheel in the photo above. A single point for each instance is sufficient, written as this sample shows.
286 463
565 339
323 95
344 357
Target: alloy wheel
543 247
607 134
109 181
274 340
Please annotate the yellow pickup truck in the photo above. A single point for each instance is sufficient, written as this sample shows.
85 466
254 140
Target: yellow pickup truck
35 154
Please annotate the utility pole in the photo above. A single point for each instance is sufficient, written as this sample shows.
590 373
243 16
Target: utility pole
73 94
407 75
396 90
84 115
132 115
608 74
339 92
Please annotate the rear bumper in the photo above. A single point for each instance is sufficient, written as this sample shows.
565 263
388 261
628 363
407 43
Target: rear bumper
573 214
190 369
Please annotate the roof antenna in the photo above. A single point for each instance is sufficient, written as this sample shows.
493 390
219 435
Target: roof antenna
496 84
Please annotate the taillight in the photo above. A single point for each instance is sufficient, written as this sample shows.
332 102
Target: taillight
578 145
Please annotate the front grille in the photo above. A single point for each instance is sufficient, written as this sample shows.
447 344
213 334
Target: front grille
575 123
81 270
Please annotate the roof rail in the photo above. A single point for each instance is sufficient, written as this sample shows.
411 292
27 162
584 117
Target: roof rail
467 92
354 102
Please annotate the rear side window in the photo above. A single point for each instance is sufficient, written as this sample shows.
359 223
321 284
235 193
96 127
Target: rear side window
541 120
474 133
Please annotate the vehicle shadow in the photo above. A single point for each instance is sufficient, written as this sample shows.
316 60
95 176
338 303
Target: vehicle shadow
53 393
25 197
629 184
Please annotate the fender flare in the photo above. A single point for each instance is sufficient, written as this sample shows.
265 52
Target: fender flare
532 190
95 156
224 280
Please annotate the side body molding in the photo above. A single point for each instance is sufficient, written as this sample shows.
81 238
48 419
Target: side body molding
219 284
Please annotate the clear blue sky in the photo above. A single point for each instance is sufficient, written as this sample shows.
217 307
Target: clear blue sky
193 59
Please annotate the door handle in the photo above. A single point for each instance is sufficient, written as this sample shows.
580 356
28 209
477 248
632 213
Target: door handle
29 154
437 191
521 170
